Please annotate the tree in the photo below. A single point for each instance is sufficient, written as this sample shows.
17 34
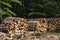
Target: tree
31 8
44 8
5 8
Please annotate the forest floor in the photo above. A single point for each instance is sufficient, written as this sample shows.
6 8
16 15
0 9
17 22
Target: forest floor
43 36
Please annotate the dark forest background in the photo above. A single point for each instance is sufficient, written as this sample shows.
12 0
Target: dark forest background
30 8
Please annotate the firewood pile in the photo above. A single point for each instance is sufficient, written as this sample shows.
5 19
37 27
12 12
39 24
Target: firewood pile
52 24
20 25
57 24
42 25
5 24
17 26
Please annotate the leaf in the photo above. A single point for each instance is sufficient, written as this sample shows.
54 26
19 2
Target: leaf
18 1
7 12
39 13
4 3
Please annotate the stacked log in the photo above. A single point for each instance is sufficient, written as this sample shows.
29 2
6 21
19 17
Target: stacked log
18 26
42 25
32 26
51 24
57 24
5 24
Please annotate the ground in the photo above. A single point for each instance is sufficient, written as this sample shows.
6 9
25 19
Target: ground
43 36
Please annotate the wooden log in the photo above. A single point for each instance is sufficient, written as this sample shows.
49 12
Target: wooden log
52 24
18 25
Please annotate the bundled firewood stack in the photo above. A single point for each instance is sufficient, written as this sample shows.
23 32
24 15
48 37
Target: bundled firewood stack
38 25
17 26
42 25
52 24
57 24
5 24
21 25
32 26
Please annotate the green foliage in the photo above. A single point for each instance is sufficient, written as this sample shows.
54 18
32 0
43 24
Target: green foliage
6 11
5 8
50 8
17 1
36 14
7 4
31 8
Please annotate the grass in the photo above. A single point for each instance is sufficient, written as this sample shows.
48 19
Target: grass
50 33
